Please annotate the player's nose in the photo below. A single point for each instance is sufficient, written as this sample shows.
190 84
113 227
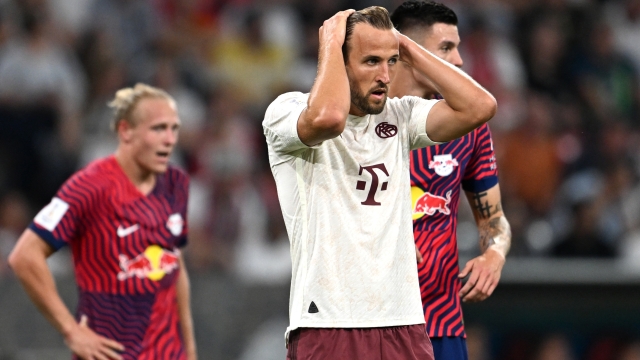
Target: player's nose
171 137
456 59
383 75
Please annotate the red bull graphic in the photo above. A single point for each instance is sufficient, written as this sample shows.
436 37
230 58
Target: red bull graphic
426 203
154 263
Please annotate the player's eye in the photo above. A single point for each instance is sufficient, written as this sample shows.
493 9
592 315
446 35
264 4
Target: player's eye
392 61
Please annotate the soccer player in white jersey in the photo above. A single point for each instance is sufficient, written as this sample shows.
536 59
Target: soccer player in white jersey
340 158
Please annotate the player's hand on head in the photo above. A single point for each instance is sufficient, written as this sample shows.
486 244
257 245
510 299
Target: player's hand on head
404 47
335 28
86 344
484 274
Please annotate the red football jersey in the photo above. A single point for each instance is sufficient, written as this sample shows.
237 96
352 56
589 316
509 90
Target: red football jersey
437 173
125 254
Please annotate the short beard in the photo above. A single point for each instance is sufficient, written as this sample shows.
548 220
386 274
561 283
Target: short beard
362 103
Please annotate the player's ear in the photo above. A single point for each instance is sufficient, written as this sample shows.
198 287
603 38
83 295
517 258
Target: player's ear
125 130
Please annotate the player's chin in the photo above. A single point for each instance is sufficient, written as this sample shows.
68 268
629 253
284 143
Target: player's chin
376 104
376 108
161 169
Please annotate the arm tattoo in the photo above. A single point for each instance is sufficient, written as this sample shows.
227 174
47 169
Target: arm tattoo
485 210
496 231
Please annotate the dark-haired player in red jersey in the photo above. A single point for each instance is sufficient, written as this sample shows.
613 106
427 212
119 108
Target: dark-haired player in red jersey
437 173
124 218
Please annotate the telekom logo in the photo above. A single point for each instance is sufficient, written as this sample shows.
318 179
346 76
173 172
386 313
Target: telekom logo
362 185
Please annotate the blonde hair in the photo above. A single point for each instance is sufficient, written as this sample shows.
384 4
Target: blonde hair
126 100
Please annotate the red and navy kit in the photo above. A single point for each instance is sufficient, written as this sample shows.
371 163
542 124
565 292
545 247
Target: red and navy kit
437 173
125 248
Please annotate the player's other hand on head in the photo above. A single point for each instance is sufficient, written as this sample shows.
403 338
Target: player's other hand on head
484 274
335 28
404 43
86 344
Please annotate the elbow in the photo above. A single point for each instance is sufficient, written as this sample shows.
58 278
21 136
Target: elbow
486 108
331 124
14 261
19 260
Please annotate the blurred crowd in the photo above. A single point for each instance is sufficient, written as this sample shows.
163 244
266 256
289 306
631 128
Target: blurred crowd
566 136
550 346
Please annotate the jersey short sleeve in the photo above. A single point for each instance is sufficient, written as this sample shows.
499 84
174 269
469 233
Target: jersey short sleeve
418 110
281 122
481 174
58 222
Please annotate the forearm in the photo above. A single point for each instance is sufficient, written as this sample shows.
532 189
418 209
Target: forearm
38 282
460 91
495 234
183 288
330 95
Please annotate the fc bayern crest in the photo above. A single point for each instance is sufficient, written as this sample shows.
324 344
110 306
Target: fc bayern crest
386 130
175 224
443 164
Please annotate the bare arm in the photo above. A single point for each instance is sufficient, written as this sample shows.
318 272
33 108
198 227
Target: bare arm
466 104
330 97
29 261
495 241
183 288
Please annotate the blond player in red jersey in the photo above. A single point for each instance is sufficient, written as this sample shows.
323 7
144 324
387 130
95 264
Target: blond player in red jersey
124 219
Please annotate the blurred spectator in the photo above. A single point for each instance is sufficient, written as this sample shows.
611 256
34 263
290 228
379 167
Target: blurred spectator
478 341
189 24
531 176
15 215
4 31
71 17
494 63
262 253
41 95
99 139
555 347
630 351
247 62
35 70
584 238
623 16
266 341
134 28
189 29
225 157
544 56
606 79
605 347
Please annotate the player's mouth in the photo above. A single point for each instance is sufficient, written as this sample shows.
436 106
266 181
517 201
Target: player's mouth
379 94
163 155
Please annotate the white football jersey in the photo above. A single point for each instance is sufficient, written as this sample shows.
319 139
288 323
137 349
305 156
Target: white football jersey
347 206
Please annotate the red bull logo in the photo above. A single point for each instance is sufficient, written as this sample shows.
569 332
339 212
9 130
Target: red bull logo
425 203
154 263
443 164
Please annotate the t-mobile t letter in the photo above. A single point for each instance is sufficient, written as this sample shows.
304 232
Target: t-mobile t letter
361 184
